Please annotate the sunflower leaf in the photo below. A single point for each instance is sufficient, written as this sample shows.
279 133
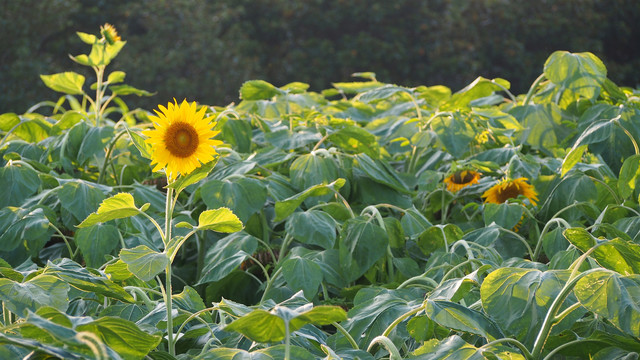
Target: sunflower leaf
116 207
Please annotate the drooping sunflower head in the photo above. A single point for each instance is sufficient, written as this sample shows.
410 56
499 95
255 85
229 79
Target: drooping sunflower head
507 189
182 139
460 179
110 34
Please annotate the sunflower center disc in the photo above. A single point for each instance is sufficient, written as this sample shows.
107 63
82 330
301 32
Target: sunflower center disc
181 140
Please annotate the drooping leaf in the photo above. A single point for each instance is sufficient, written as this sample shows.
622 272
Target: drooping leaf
582 73
258 90
227 255
287 206
41 290
302 274
220 220
244 196
95 242
18 183
312 227
67 82
362 243
617 254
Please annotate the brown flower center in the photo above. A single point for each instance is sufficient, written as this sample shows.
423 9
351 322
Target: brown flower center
181 139
510 191
462 177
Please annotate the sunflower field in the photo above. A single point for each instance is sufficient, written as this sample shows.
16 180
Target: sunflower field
365 221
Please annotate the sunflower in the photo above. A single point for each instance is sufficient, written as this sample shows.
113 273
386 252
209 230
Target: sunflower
110 33
459 179
507 189
181 139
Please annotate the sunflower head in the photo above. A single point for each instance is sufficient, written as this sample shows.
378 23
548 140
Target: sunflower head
110 34
507 189
461 178
182 139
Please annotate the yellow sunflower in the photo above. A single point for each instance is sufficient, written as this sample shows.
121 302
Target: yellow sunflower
181 139
507 189
459 179
110 33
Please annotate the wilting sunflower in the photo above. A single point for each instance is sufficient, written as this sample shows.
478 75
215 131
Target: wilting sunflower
459 179
510 189
181 139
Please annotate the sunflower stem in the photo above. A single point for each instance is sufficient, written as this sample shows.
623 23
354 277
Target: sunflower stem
168 292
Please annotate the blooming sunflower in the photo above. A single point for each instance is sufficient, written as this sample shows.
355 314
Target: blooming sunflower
181 139
507 189
459 179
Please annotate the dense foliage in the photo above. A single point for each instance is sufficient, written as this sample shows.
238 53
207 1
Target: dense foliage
366 221
207 49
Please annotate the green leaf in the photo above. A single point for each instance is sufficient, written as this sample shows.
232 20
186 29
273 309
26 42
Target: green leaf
116 77
260 326
612 296
320 315
356 86
582 73
122 90
438 236
220 220
455 133
95 242
226 256
258 90
28 226
313 169
543 126
81 278
381 172
629 174
312 227
18 183
356 140
94 142
144 262
302 274
41 290
286 207
123 336
8 121
140 144
518 299
67 82
362 243
458 317
118 206
454 347
505 215
617 254
479 88
413 222
243 195
80 198
573 157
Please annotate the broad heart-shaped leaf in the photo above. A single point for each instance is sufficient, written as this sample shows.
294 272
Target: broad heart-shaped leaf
123 336
18 225
80 198
276 352
118 206
376 308
582 73
269 326
220 220
80 277
287 206
438 236
354 139
562 192
381 172
41 290
95 242
458 317
67 82
413 222
456 289
94 142
227 255
245 196
302 274
480 88
454 133
258 90
613 296
362 243
505 215
543 125
454 347
17 182
518 299
312 227
313 169
629 173
617 254
144 262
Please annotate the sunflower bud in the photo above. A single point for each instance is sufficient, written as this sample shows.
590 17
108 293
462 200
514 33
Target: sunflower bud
109 33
